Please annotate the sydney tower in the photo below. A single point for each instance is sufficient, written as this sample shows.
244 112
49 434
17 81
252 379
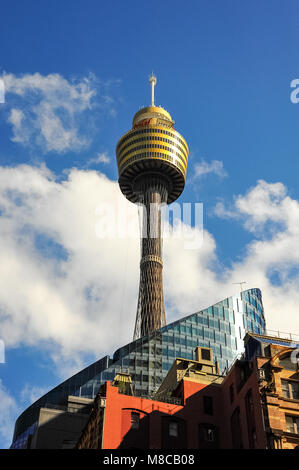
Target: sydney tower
152 162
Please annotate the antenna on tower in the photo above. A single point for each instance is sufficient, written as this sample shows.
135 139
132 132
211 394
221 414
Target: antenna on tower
153 81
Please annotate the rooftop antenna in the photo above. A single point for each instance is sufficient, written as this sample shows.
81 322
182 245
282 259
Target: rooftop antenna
240 284
153 81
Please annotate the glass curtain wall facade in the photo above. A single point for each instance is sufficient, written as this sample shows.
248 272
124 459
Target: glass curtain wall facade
221 327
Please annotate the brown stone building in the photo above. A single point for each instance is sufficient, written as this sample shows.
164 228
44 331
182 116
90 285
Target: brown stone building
278 384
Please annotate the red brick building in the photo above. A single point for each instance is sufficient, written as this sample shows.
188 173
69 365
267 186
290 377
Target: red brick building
254 406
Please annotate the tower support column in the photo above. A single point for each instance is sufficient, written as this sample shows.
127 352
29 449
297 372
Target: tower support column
150 308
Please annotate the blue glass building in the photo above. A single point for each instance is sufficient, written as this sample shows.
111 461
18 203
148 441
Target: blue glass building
221 327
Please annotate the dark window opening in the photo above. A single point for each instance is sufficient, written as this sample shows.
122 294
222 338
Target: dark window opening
250 420
237 440
208 405
231 393
208 437
206 354
173 429
135 419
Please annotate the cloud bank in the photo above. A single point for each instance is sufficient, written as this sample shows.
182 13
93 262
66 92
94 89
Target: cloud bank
66 289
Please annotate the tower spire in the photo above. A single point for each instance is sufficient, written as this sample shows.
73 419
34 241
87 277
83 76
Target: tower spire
153 82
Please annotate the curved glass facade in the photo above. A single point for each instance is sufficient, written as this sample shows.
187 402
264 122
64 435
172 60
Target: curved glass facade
221 327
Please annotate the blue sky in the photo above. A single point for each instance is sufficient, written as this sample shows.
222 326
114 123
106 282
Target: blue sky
75 73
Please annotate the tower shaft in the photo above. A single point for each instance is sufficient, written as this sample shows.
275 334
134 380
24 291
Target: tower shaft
150 316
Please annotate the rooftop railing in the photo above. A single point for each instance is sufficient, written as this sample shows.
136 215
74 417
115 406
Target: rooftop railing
164 399
282 335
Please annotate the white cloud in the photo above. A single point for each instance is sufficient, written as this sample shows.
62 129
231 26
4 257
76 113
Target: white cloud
49 111
29 394
266 202
16 118
270 261
220 210
100 158
204 168
74 302
8 411
273 218
65 289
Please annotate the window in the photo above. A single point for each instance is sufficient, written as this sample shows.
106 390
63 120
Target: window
290 389
208 436
135 418
250 420
254 439
294 390
285 388
208 405
173 429
249 402
237 440
292 424
205 354
231 393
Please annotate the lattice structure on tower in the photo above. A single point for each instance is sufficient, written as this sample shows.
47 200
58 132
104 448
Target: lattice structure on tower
152 162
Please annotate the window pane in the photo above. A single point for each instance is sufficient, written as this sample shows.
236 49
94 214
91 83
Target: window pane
285 388
294 390
208 405
135 420
210 436
173 429
290 423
